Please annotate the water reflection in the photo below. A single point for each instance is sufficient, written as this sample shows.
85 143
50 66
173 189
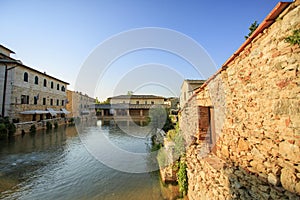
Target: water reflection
56 165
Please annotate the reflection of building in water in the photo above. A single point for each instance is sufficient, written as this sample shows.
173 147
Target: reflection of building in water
80 105
28 94
134 106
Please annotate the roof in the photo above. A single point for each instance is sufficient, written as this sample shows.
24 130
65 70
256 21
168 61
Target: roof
6 48
193 82
270 19
136 97
14 61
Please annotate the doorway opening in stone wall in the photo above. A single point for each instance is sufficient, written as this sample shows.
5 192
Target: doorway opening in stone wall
207 133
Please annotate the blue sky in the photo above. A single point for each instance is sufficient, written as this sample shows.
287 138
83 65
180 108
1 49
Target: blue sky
58 36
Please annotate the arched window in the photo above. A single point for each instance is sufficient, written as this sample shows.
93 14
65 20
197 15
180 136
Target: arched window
45 83
52 84
57 86
25 76
63 88
36 80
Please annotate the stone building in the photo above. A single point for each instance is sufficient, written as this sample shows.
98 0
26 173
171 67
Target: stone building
28 94
187 89
80 105
130 105
242 125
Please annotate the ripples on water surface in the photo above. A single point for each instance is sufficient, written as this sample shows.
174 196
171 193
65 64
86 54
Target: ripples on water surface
56 165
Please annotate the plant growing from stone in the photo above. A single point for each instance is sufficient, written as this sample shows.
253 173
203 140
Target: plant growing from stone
32 129
294 38
49 125
55 125
182 178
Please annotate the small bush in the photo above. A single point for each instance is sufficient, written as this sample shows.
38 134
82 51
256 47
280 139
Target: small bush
182 178
294 38
3 131
77 120
16 120
162 158
49 125
55 125
11 129
32 129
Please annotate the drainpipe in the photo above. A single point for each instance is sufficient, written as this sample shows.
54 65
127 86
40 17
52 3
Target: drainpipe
4 91
4 88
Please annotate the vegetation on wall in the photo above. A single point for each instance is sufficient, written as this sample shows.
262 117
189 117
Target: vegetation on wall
49 125
32 129
182 178
294 38
55 125
7 128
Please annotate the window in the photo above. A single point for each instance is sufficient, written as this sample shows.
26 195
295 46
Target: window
62 102
25 76
145 102
57 102
152 102
57 87
35 100
44 101
36 80
51 102
123 101
52 84
24 99
63 88
137 102
45 83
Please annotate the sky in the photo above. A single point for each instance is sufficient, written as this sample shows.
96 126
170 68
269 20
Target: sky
59 37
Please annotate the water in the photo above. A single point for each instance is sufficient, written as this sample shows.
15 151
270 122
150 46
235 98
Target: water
57 165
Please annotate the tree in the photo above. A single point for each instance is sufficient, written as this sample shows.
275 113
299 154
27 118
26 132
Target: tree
97 101
129 93
252 28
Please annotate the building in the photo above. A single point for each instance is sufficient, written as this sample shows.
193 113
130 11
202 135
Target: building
130 105
80 105
187 89
242 125
28 94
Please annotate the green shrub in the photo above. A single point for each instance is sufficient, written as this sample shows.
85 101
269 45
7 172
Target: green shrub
182 178
55 125
77 120
3 131
294 38
11 128
162 158
49 125
16 120
32 128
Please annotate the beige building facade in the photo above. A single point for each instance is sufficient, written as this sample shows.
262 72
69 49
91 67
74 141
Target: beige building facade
187 89
129 106
28 94
80 105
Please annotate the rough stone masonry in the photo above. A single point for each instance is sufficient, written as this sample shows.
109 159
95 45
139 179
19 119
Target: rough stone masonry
256 105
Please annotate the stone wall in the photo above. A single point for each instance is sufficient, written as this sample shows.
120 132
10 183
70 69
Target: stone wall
257 119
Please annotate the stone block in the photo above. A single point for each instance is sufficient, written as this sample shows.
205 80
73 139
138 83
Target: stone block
273 179
290 151
288 179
